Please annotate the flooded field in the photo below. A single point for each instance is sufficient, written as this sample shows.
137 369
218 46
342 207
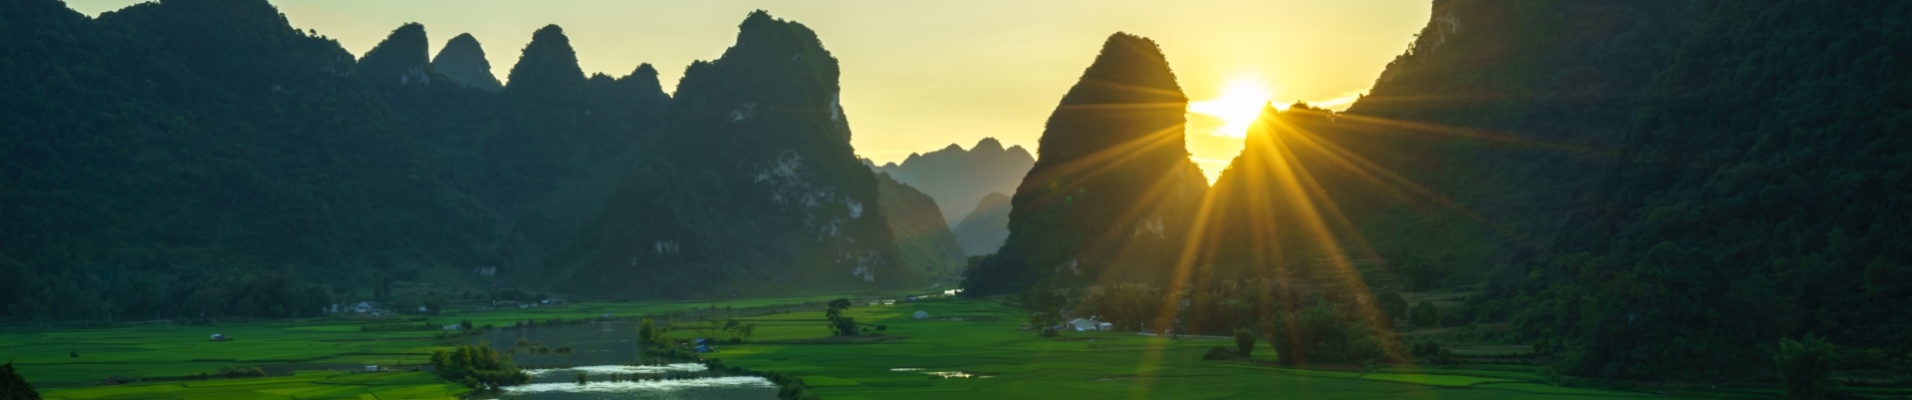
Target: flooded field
605 354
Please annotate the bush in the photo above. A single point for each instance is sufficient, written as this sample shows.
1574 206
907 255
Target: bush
1050 332
1804 367
1220 353
1245 342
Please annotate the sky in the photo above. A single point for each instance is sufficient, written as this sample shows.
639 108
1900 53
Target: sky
919 75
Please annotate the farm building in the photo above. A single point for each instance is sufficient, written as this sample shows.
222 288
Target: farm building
1090 324
921 314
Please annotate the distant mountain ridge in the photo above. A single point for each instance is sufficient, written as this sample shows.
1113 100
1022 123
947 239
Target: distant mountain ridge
959 178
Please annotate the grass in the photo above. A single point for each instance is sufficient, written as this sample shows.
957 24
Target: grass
1007 363
318 350
914 359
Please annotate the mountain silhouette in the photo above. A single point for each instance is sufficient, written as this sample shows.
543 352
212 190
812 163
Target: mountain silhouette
463 60
1114 191
959 178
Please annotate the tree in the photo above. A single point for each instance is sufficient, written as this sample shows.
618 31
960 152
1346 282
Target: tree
647 333
15 387
1244 342
1424 315
844 326
1804 367
839 324
1393 305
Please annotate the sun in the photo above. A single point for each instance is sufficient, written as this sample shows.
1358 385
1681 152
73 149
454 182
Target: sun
1238 106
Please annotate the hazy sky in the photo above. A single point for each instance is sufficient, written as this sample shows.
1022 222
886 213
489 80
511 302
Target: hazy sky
919 75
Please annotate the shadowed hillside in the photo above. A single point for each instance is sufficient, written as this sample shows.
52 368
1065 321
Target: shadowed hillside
1114 191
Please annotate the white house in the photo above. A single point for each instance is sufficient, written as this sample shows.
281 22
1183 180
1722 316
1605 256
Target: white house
889 302
365 307
1088 324
922 314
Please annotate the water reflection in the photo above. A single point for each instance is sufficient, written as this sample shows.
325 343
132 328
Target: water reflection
601 351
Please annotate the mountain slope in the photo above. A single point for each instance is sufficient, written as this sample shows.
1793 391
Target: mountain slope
209 150
985 227
758 134
1114 190
1759 195
463 60
957 178
925 242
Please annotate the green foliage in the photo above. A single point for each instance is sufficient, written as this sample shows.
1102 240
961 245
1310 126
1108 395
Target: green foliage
1244 342
15 387
477 365
840 325
1221 353
647 334
1081 217
1805 367
1425 315
1393 305
1046 305
1745 202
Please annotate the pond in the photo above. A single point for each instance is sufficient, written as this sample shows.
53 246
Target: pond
554 355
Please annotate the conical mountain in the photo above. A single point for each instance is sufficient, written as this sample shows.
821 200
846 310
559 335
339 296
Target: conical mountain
548 70
1114 191
399 60
757 138
958 178
463 60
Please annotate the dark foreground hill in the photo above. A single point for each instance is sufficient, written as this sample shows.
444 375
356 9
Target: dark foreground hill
1114 191
202 157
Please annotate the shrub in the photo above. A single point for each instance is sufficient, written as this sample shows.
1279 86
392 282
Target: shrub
1244 342
1804 367
1220 353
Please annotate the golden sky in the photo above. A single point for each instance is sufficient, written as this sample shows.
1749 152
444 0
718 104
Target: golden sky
919 75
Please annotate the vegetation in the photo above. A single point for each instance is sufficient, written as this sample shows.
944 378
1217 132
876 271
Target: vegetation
1805 367
840 325
15 387
479 367
196 159
1102 219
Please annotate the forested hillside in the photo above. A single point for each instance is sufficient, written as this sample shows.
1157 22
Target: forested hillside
196 158
1760 193
984 228
1114 191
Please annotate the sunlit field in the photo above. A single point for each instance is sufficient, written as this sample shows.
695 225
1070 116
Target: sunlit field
965 349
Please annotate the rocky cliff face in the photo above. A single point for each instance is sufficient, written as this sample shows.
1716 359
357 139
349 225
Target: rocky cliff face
759 136
1114 191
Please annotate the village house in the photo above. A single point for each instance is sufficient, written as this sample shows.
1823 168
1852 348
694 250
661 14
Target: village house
1089 324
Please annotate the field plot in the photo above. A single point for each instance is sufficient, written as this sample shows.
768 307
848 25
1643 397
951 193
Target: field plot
971 349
